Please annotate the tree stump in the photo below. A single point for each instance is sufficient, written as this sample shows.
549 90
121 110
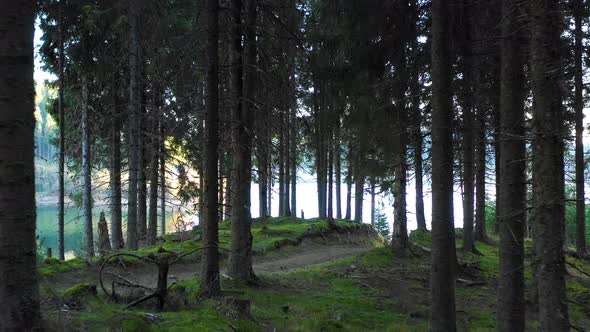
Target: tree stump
104 243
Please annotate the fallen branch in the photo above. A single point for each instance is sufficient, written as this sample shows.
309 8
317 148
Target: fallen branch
190 253
578 269
362 283
470 283
142 299
577 328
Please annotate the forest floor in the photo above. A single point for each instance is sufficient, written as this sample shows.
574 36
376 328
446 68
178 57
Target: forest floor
312 278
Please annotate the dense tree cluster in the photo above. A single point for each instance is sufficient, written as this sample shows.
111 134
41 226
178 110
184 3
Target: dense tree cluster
373 95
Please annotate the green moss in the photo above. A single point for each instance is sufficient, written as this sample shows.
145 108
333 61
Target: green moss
80 290
328 301
203 317
269 234
489 262
405 326
579 295
341 307
378 258
422 238
187 289
50 267
482 321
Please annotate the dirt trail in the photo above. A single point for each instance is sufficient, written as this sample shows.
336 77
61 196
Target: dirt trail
301 258
296 258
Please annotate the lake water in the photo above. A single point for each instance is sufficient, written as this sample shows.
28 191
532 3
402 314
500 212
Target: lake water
306 202
74 229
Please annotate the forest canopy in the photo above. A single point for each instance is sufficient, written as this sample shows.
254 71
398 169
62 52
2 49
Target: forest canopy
436 147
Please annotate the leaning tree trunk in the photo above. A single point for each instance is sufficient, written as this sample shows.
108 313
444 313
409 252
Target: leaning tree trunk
442 280
18 274
510 311
548 129
241 226
134 108
210 285
579 108
115 171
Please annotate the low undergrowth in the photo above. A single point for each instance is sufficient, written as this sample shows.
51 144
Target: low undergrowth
380 290
50 267
270 234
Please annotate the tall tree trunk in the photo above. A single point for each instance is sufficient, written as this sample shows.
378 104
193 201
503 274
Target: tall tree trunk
330 178
271 178
210 285
134 109
86 172
286 160
359 183
348 212
115 171
338 170
62 142
264 151
548 128
579 109
221 179
319 148
510 311
399 237
293 159
281 168
418 164
373 202
142 179
468 158
480 174
442 280
400 228
498 170
163 178
263 167
482 31
241 226
18 273
415 112
152 230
